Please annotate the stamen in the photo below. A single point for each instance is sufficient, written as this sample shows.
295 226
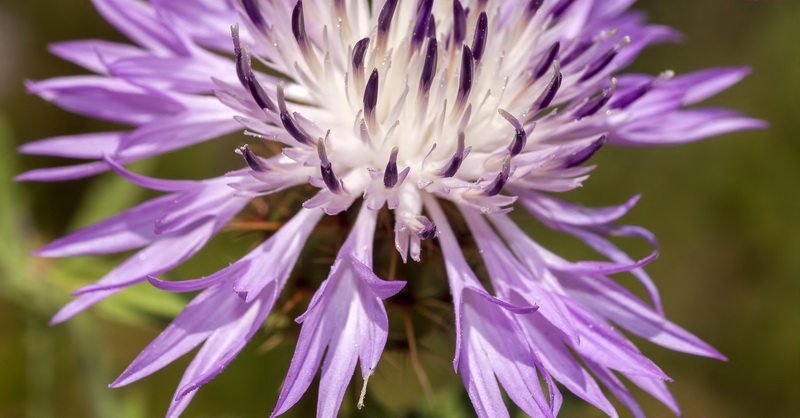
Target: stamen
465 83
420 27
259 94
288 123
479 40
390 174
431 32
635 94
242 67
298 23
560 8
520 137
547 60
454 164
425 229
581 156
576 52
429 66
251 8
604 60
550 91
385 21
501 179
459 23
371 97
250 158
593 105
359 51
533 7
326 169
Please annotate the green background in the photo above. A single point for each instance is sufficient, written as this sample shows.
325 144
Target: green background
725 211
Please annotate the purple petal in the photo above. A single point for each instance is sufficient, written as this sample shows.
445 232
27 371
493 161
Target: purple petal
105 98
88 146
138 22
127 230
164 254
94 55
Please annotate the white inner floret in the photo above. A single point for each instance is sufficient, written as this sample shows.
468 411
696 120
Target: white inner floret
417 97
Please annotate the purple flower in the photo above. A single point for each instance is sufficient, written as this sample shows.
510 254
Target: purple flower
429 108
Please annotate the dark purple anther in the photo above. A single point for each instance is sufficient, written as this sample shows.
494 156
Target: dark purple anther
454 164
421 25
501 179
428 230
560 8
465 83
294 130
390 174
576 52
429 66
581 156
259 95
626 99
550 91
479 40
520 136
594 104
547 61
251 8
603 61
359 51
298 24
533 7
431 31
385 17
326 169
250 158
242 67
371 94
459 23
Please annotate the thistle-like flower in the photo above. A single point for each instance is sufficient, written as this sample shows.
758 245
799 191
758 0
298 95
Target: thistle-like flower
443 112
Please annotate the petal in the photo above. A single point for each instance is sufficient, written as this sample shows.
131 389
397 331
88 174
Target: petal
127 230
93 54
105 98
88 146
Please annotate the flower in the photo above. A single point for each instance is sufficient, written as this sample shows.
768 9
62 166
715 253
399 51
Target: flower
443 112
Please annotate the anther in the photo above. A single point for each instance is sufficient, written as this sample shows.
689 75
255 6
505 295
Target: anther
465 83
454 164
385 20
594 104
424 228
326 169
298 23
250 158
259 95
390 174
429 66
371 95
601 63
421 25
242 67
560 8
581 156
547 60
459 23
626 99
251 9
359 51
533 7
501 179
520 136
550 91
479 40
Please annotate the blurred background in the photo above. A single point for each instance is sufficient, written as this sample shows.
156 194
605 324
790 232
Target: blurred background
725 210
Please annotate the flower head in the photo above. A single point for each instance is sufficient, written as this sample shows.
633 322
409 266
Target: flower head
443 112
